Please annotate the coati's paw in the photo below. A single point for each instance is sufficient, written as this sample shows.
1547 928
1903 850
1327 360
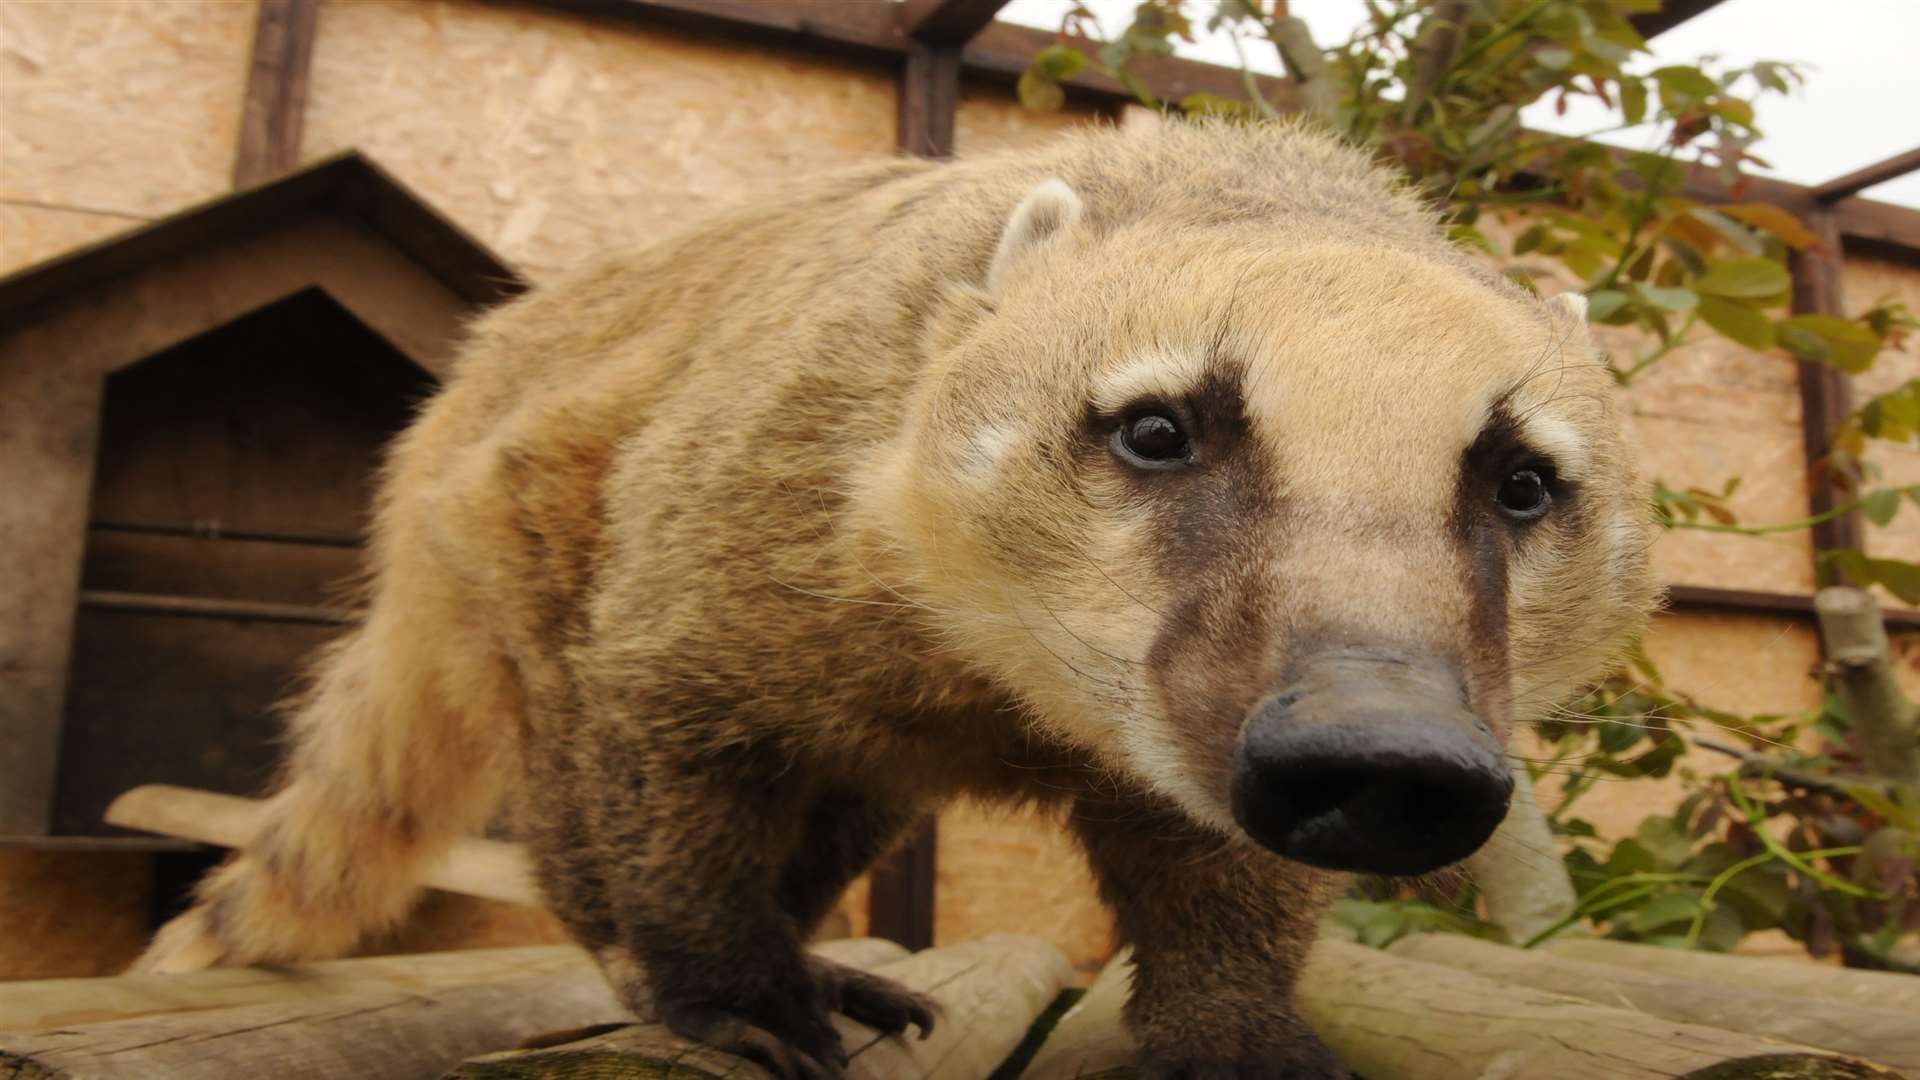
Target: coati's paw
789 1036
1299 1059
873 1000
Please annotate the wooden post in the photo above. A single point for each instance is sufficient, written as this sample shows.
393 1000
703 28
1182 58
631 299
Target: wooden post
1825 398
276 101
929 99
900 895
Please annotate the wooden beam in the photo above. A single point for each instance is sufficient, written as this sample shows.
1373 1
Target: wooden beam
1825 396
1671 14
275 107
202 607
945 22
929 100
1861 179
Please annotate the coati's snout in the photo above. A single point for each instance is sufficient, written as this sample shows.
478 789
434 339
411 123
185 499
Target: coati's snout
1371 761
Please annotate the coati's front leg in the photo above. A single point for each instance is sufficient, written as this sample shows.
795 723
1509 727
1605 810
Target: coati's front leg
693 876
1220 931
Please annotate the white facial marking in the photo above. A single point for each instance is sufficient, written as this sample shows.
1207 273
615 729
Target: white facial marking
1560 441
988 447
1167 374
1155 759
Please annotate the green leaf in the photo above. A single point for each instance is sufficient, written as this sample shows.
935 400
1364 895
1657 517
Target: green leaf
1633 100
1061 62
1737 321
1687 80
1772 219
1553 57
1744 279
1664 911
1602 305
1665 841
1880 506
1762 894
1802 342
1039 91
1850 346
1667 299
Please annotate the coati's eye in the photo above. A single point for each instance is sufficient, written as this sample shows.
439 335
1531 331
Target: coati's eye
1526 493
1153 439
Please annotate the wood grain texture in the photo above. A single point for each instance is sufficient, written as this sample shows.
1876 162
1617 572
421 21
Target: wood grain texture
949 22
1826 399
1394 1019
274 109
1861 1029
988 992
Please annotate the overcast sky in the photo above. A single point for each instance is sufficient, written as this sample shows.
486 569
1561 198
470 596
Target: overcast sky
1861 103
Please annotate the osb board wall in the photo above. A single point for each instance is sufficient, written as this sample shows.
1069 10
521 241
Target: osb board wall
991 118
1702 415
1018 872
552 136
1869 280
116 111
71 913
1742 664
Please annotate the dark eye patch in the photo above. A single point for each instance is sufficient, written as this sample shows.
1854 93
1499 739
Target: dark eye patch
1519 484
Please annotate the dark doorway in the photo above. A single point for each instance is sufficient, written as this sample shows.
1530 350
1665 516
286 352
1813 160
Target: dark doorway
232 488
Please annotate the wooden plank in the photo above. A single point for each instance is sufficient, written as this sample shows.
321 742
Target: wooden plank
900 893
929 99
1860 179
274 110
1671 14
203 607
491 869
1825 397
945 22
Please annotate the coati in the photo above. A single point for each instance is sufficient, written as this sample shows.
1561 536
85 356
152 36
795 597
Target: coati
1185 478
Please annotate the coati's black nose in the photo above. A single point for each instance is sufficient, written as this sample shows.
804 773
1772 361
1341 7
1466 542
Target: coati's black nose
1371 762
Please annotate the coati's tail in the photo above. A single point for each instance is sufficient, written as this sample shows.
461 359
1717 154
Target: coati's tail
398 748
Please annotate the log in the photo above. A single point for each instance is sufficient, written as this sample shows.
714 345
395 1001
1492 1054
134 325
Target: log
369 1019
989 990
36 1004
1890 1038
1091 1040
1860 670
1860 989
1525 885
45 1003
388 1035
1394 1019
486 868
1391 1018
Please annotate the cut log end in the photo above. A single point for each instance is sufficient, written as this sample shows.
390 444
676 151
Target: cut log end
1793 1067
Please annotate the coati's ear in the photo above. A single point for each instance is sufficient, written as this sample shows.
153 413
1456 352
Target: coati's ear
1571 306
1049 209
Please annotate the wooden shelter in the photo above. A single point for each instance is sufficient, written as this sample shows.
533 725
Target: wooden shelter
192 412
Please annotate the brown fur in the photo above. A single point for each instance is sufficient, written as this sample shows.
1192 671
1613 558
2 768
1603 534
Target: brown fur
740 552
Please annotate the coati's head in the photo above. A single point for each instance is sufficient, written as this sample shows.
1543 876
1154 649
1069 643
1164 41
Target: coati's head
1292 530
